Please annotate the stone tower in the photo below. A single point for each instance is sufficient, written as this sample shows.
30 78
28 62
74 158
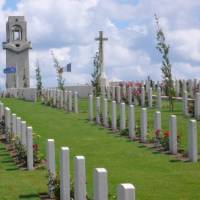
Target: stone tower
17 52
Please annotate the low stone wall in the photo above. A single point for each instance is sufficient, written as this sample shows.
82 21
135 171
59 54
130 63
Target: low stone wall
83 90
28 94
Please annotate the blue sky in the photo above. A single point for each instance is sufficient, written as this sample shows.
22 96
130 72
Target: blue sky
11 4
130 52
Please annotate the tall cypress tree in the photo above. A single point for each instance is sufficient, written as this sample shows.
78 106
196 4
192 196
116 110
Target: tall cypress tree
166 67
59 71
96 75
38 79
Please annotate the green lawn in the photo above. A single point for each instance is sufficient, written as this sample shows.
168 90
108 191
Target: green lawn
15 184
155 176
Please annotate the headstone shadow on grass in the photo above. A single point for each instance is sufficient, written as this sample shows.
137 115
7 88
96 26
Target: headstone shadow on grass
28 196
12 169
7 161
3 154
175 160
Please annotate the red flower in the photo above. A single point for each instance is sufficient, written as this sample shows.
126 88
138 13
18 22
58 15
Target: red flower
137 92
157 132
166 134
35 147
129 84
138 84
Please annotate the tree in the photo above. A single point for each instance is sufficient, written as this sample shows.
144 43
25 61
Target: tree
96 75
38 79
59 71
166 67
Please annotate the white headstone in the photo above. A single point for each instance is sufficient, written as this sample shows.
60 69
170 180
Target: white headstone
100 186
90 108
79 178
70 101
192 141
98 110
66 100
143 125
197 105
1 111
19 127
51 157
105 113
29 143
8 123
14 124
122 116
76 102
61 99
185 103
64 174
142 96
173 135
24 132
131 121
114 118
126 192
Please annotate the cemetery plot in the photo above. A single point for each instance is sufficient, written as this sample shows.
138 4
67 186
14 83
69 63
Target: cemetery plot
128 161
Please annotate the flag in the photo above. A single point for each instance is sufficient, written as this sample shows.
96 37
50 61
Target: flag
9 70
68 67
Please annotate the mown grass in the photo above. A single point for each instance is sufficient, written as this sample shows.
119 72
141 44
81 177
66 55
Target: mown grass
155 176
16 184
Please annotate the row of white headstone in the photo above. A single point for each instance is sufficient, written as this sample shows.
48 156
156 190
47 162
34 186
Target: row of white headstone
15 127
100 180
191 86
192 127
132 99
116 93
196 104
61 99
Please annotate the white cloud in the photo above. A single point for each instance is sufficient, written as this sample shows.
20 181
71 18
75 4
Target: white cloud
186 71
186 43
70 26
